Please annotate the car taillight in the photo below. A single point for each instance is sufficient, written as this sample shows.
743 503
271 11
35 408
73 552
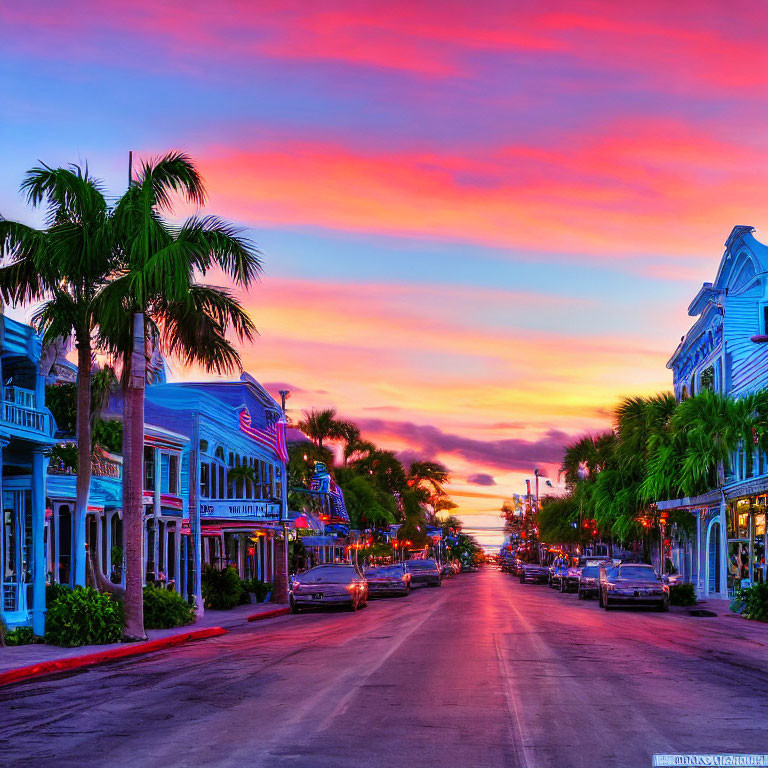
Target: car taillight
296 584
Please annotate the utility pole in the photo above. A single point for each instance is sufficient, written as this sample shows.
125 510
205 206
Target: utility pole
130 168
283 397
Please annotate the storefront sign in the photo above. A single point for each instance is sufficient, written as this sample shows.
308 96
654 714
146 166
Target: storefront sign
240 510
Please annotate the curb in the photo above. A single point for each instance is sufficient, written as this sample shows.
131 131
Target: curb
113 654
269 614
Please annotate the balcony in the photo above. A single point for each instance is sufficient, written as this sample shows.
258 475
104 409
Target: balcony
19 410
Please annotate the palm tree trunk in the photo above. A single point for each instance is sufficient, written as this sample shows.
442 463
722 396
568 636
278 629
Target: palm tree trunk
83 483
133 486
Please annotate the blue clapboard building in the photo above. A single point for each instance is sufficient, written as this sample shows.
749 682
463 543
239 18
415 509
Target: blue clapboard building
726 349
237 499
26 432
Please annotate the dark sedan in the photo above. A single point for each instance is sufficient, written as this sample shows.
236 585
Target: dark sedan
328 585
533 572
588 578
633 584
388 581
423 573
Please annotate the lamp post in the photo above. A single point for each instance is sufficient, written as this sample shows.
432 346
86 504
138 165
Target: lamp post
283 397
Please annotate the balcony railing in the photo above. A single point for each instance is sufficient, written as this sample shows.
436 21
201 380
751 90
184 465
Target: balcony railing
21 397
39 421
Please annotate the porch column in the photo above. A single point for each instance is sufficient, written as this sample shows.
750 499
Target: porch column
39 468
241 555
156 509
108 534
698 574
177 554
194 518
723 547
259 572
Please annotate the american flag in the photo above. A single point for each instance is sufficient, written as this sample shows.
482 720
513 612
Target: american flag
273 437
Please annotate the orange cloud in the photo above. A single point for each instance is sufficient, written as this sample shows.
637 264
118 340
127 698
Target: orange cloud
631 190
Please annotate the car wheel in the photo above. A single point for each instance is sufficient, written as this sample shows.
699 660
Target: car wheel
563 587
522 579
664 607
580 595
355 605
600 598
294 607
605 604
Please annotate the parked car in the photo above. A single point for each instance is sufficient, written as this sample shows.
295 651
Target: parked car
327 585
569 582
538 574
588 581
558 571
423 573
633 584
388 580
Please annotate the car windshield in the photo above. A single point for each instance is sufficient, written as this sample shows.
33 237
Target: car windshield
392 570
637 572
328 574
421 565
590 571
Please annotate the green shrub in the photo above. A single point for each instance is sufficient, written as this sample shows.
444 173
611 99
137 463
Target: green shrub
20 636
682 594
54 591
754 601
83 616
223 589
259 588
164 609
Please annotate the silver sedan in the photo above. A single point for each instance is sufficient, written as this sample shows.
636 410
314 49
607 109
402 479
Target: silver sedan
328 585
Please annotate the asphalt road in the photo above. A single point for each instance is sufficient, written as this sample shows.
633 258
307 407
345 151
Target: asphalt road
483 672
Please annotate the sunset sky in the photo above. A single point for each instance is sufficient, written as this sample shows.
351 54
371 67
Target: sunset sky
482 222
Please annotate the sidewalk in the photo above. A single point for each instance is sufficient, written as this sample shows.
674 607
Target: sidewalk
25 661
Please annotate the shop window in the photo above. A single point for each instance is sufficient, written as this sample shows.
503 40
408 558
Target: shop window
173 475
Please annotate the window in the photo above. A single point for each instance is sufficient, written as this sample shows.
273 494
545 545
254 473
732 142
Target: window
173 475
219 453
707 378
765 319
205 491
149 469
213 479
164 472
222 481
203 446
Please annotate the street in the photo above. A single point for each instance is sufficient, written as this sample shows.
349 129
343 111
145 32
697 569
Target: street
481 672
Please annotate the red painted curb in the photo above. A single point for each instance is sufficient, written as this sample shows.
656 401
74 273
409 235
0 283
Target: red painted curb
269 614
89 659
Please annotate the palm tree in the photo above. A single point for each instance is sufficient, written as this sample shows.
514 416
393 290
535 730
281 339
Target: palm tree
322 425
155 293
430 476
349 434
356 450
65 265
